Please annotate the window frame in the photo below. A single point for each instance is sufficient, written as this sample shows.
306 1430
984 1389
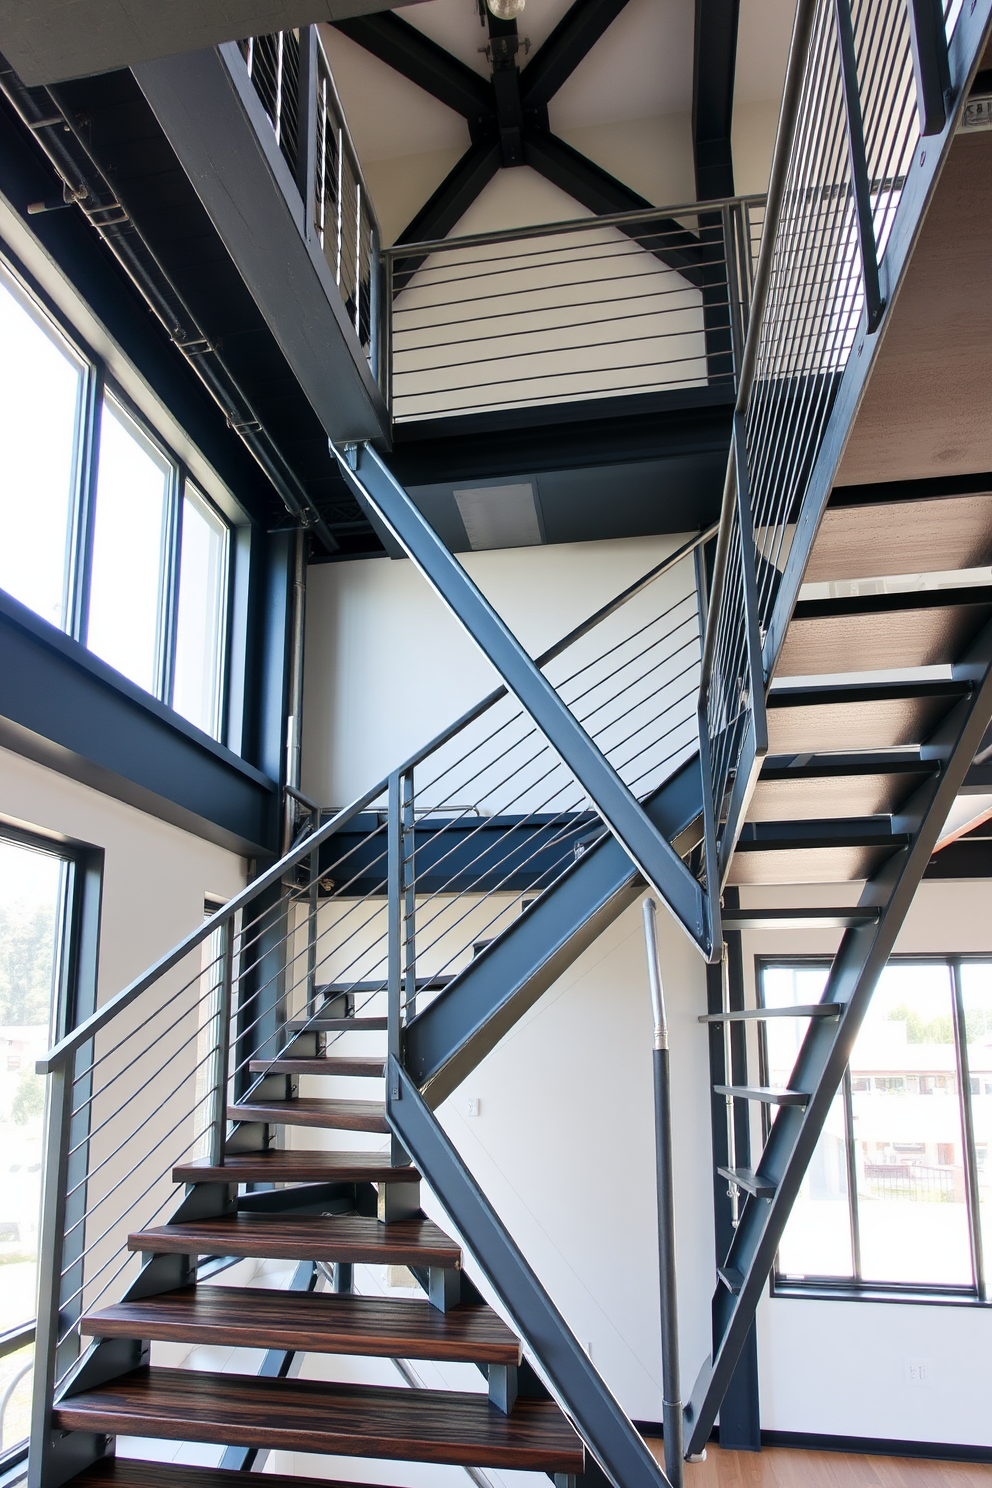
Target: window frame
855 1288
97 384
74 996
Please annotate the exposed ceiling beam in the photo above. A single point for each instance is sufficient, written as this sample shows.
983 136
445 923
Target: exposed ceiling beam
412 54
48 41
453 197
572 39
713 70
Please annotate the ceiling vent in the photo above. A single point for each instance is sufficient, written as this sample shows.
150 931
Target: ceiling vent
500 516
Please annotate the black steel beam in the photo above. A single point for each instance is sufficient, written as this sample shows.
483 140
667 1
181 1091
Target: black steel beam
62 706
713 70
612 1437
450 201
408 51
572 39
377 490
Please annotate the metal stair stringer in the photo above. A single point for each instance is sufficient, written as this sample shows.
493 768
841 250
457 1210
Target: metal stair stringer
599 1418
465 1021
376 489
827 1046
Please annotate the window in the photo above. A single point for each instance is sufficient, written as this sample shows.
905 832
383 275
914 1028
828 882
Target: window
34 888
130 534
897 1190
199 667
102 533
41 394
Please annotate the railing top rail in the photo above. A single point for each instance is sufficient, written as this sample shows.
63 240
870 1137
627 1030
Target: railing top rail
580 630
57 1055
123 999
553 229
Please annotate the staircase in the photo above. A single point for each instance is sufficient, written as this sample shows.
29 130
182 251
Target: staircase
703 733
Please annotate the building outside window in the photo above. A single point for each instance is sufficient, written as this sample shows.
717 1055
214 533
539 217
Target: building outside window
102 532
897 1194
36 903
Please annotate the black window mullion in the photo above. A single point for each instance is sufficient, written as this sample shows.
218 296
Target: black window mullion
968 1131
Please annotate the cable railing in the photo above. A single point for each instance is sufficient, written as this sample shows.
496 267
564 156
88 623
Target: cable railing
292 78
850 124
462 836
639 302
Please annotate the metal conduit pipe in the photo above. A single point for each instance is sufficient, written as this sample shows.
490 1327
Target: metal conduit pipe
85 186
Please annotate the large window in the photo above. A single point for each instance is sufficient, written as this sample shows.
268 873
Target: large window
35 885
899 1185
102 532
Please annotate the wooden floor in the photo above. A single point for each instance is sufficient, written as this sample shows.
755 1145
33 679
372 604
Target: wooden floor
787 1467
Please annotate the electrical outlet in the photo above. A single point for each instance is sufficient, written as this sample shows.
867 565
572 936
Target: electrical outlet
473 1106
919 1372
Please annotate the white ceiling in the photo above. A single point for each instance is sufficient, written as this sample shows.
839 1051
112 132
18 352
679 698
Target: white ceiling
641 68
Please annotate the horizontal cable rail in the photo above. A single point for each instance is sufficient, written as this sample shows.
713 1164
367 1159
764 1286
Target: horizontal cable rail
847 134
486 817
546 315
291 75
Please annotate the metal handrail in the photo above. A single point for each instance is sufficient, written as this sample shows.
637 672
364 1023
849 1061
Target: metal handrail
59 1053
574 224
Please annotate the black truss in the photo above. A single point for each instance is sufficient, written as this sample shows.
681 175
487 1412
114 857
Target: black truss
409 52
714 66
572 39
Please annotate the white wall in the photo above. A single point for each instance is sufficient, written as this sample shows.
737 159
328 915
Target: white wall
839 1368
155 875
387 666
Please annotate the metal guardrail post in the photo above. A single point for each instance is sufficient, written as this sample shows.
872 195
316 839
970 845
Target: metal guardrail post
218 1105
385 288
860 183
306 158
671 1404
394 955
408 886
51 1249
931 68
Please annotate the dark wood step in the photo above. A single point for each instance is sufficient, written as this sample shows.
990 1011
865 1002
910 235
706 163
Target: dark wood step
278 1165
800 1010
133 1472
797 918
873 632
332 1115
296 1415
767 1094
373 1068
881 715
253 1317
744 1178
827 787
306 1237
898 529
316 1024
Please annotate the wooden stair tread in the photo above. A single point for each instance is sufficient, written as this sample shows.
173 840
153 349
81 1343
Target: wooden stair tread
306 1237
770 1095
254 1317
317 1024
317 1064
882 715
296 1415
778 797
291 1165
334 1115
133 1472
918 628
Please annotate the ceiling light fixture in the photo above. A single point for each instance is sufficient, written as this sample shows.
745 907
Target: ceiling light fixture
505 10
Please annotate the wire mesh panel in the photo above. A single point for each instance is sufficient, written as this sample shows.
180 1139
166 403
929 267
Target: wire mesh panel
604 306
